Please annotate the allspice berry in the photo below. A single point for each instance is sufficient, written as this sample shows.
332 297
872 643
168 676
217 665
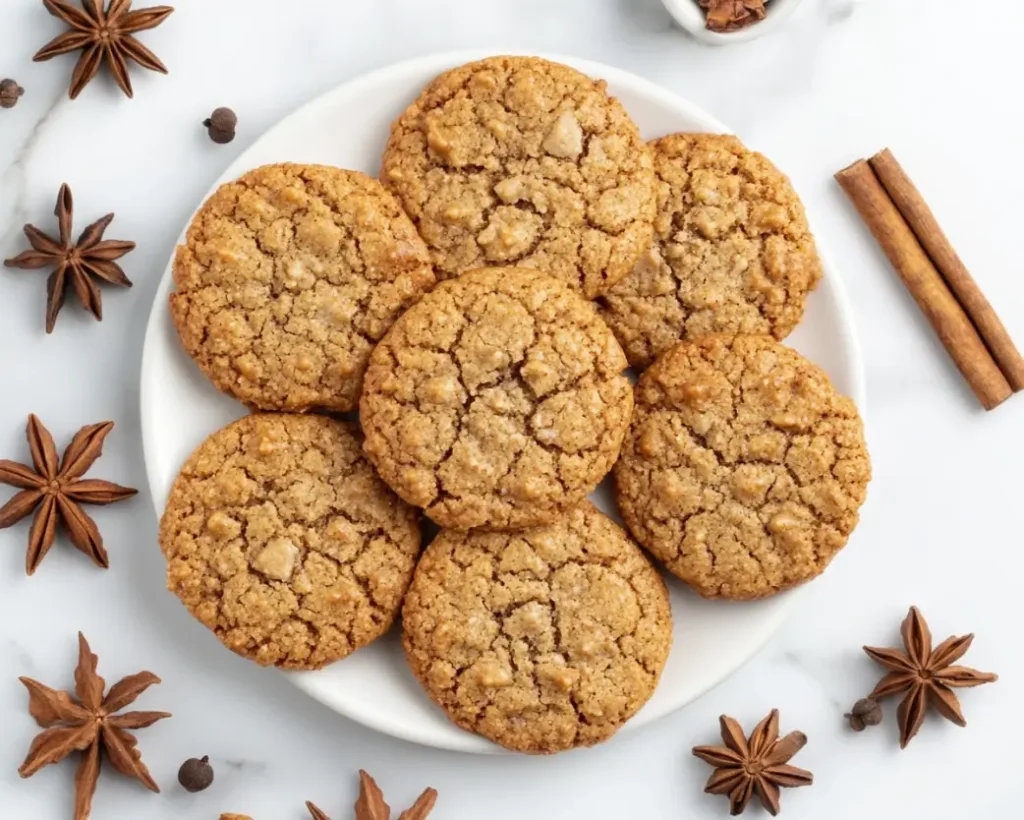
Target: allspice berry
9 93
221 125
865 712
196 774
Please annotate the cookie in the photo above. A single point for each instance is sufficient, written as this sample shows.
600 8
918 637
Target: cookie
280 538
521 161
732 251
287 279
497 401
540 640
744 469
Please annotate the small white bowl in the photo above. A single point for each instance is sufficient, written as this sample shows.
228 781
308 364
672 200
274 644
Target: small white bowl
692 17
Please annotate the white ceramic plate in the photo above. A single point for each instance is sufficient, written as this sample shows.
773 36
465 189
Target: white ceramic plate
348 127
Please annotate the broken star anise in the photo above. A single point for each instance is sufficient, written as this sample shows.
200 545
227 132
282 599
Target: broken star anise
927 675
104 34
85 722
78 264
58 490
371 805
755 765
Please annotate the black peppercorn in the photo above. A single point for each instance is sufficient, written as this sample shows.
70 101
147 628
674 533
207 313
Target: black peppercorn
9 93
196 774
221 125
865 712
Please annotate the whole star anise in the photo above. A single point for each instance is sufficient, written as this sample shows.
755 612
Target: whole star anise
104 35
78 264
371 806
58 491
927 675
86 722
758 765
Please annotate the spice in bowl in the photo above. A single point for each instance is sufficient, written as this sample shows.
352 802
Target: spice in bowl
732 15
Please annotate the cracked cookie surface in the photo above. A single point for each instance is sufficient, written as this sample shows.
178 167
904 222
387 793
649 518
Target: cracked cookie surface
732 251
521 161
281 539
287 279
744 470
497 401
540 640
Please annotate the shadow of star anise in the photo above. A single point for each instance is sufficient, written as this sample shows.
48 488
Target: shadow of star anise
755 765
76 264
104 34
371 805
57 491
927 675
86 722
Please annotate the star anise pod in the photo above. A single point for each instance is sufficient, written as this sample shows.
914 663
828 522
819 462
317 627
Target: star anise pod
85 722
58 490
758 765
927 675
104 35
78 264
371 805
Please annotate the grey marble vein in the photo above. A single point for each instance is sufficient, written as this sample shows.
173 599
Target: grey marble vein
239 765
14 176
800 666
837 11
24 664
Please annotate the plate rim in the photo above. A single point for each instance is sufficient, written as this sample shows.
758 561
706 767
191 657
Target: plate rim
438 62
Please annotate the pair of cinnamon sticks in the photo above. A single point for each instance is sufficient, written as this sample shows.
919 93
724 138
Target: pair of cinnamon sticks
940 283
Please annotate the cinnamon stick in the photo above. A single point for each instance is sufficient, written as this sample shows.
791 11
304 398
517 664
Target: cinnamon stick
925 226
925 283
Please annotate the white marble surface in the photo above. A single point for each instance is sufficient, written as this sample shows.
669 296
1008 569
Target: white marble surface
935 81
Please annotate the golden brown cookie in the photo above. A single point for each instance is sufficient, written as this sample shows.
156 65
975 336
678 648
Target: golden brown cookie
287 279
540 640
496 401
744 469
281 539
732 251
521 161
